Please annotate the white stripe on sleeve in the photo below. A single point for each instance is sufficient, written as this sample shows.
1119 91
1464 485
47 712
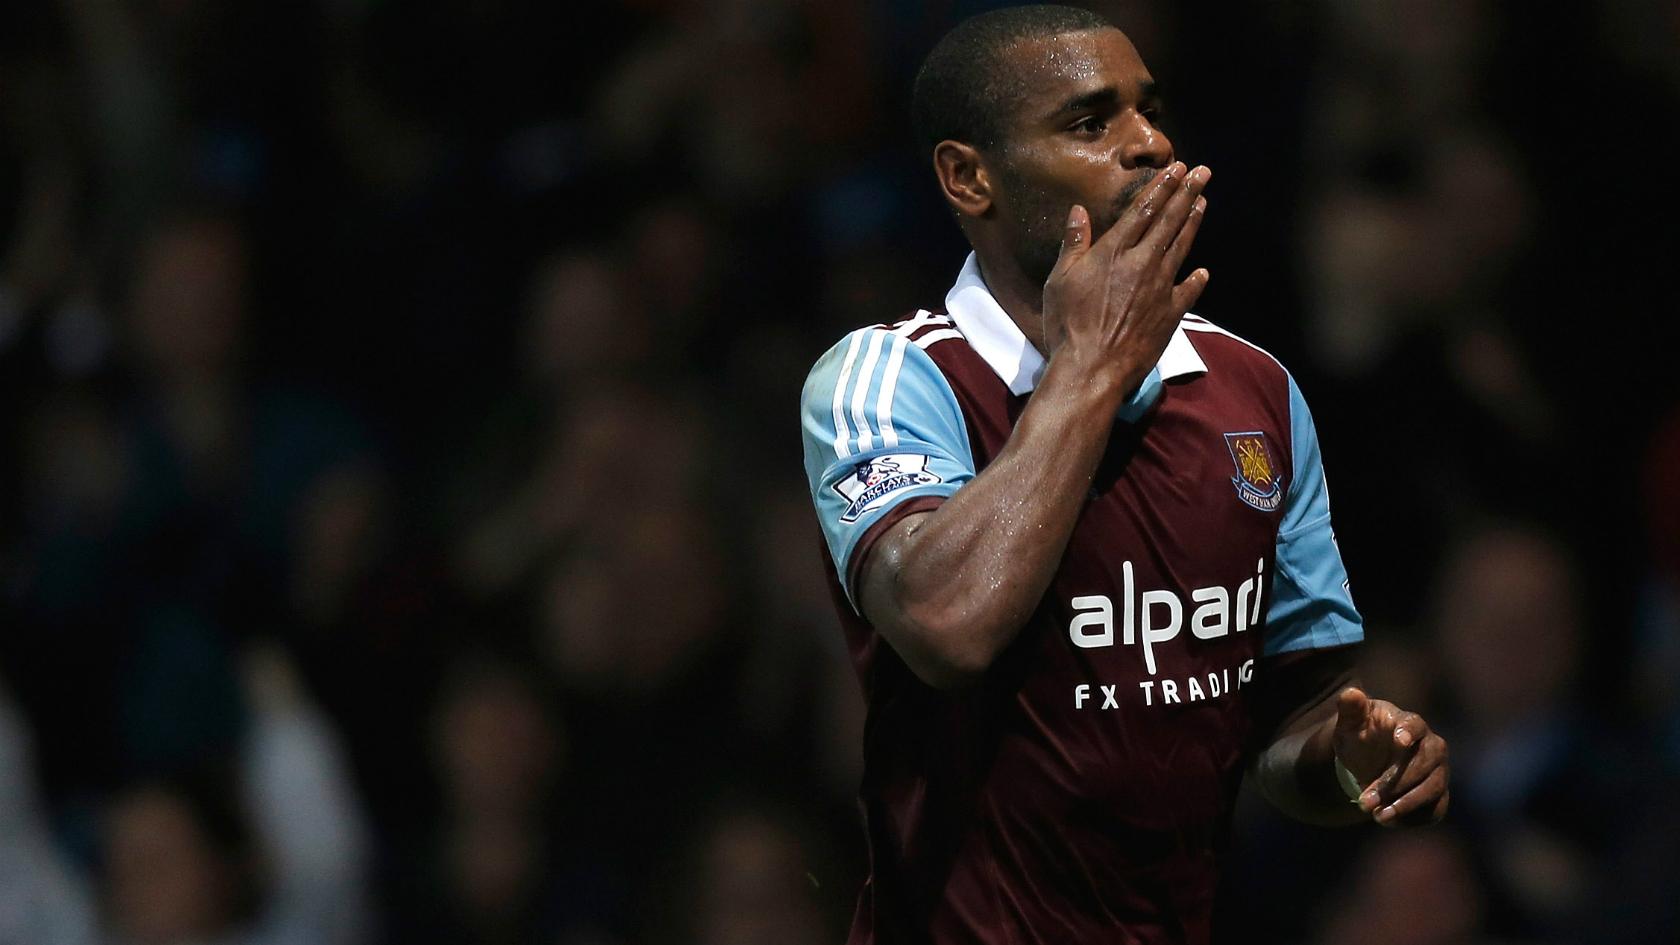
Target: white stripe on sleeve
842 432
860 393
889 382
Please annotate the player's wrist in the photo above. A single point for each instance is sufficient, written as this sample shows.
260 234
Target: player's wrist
1104 380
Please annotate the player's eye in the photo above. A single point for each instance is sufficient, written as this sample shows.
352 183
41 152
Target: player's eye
1152 114
1090 125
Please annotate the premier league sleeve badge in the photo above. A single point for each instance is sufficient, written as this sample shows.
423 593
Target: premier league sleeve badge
874 480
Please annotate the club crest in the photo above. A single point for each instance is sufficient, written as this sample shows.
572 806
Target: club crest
1257 480
874 479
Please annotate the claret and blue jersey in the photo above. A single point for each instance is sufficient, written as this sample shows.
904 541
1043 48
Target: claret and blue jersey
1083 790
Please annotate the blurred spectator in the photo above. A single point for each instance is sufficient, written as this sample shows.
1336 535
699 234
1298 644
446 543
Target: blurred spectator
1541 786
606 447
1410 889
752 889
178 866
749 877
584 327
743 124
673 251
271 850
42 900
500 866
156 514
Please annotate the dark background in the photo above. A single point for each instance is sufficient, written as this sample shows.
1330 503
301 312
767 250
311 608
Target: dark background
402 535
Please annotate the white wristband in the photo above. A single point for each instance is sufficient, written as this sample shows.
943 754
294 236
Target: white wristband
1350 784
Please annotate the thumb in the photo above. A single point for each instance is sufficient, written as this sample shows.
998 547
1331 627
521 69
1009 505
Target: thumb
1076 238
1351 708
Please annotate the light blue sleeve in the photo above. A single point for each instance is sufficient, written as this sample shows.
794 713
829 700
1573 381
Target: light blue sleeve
881 425
1311 607
1143 398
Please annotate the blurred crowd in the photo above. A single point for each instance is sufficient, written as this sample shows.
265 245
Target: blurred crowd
402 529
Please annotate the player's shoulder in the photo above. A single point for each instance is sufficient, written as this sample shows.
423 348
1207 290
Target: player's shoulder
867 346
922 328
1222 347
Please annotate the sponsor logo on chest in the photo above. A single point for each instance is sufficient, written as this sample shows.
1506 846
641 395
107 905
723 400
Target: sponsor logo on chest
1153 618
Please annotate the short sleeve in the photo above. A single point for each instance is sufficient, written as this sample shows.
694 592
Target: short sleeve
1311 605
881 426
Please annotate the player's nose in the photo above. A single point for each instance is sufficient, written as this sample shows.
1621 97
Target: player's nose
1146 145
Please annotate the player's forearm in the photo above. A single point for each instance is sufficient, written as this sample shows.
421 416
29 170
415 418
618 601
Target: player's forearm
965 580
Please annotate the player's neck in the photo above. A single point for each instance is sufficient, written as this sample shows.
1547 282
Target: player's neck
1019 297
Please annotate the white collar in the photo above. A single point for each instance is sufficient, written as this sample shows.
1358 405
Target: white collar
999 341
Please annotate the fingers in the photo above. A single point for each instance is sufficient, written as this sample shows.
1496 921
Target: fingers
1381 791
1166 226
1185 294
1413 790
1424 803
1413 785
1400 776
1410 729
1351 706
1076 238
1180 246
1146 206
1430 753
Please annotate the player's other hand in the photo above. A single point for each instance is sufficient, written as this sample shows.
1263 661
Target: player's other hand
1400 763
1113 303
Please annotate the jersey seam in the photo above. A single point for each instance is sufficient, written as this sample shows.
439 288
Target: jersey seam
1331 624
1285 535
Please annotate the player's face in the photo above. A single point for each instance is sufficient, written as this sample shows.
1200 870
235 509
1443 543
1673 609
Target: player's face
1083 131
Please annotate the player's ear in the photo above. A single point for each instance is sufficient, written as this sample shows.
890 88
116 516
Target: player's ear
963 177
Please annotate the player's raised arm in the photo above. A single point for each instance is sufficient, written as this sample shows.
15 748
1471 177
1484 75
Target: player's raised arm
950 588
